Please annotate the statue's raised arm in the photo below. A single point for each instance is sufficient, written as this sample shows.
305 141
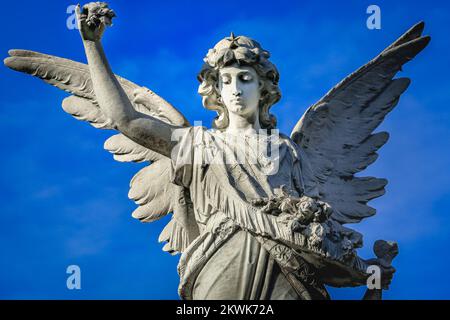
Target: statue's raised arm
146 130
143 110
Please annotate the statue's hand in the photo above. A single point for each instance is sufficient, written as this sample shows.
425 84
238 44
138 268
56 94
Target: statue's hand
93 19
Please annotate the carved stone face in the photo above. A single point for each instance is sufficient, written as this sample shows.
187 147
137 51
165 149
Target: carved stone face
239 87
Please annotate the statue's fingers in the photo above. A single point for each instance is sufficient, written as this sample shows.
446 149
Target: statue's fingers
78 16
390 271
101 27
386 282
81 17
85 9
78 11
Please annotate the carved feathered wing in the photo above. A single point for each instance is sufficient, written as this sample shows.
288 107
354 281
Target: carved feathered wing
337 132
150 188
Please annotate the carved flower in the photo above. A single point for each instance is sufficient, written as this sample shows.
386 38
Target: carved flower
224 229
282 253
326 210
227 56
98 12
319 230
313 210
210 57
307 205
348 251
238 49
288 205
316 233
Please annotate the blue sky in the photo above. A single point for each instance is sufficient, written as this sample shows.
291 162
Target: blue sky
63 199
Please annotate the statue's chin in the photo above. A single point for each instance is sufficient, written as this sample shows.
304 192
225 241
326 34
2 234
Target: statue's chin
242 110
239 109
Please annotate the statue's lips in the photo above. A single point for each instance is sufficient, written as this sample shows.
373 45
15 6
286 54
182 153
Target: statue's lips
238 101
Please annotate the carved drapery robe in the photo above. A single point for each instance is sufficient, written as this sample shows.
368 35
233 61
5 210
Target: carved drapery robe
235 256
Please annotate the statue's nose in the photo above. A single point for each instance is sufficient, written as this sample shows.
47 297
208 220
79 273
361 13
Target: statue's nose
237 92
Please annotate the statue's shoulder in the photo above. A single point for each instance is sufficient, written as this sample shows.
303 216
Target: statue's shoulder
290 144
285 138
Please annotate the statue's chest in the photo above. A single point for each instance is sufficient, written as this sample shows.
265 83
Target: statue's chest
255 168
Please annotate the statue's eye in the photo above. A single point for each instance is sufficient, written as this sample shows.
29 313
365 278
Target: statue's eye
246 77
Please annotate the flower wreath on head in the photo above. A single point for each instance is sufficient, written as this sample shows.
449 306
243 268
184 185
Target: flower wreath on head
245 52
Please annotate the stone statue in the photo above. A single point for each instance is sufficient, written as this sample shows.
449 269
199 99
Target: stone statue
248 224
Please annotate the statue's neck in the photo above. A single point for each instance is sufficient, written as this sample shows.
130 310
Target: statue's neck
240 125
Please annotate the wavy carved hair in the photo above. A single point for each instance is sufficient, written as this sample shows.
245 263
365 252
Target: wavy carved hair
243 51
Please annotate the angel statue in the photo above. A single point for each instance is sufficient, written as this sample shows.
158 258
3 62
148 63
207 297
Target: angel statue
256 214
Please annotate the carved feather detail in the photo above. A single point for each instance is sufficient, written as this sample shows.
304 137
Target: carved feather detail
337 132
126 150
150 188
74 77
